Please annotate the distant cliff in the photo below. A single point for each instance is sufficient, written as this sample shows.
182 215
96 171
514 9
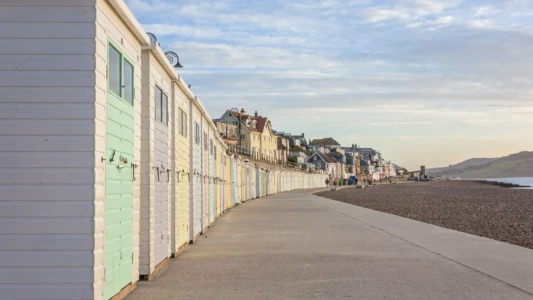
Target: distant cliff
515 165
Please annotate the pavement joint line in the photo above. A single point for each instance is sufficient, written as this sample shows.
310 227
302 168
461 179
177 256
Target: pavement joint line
419 246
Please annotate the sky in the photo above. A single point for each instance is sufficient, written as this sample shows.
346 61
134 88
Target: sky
424 82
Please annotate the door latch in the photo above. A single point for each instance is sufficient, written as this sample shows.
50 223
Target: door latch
133 166
112 159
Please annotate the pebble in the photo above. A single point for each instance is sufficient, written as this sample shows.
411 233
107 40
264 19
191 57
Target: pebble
485 210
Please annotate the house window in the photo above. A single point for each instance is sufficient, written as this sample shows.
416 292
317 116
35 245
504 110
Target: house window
196 133
161 106
205 141
211 146
182 122
120 75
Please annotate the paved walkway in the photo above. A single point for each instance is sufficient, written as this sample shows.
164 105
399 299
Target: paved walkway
299 246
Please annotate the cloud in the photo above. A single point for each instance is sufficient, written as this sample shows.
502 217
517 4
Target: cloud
485 11
419 73
444 21
412 10
164 30
376 14
480 24
429 7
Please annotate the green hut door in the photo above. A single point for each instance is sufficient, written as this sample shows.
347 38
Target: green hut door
119 173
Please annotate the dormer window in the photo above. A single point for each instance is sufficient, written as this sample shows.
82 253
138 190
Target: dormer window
254 123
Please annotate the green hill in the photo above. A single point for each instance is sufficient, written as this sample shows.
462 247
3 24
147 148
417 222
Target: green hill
514 165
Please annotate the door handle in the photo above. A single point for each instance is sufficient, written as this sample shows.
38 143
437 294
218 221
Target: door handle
133 166
112 159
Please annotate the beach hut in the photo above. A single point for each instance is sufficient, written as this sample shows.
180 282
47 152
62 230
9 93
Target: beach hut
205 172
211 177
184 177
253 179
238 180
227 182
222 205
232 181
220 176
72 147
243 180
195 189
157 121
258 180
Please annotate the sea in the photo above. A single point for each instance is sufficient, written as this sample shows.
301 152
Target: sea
515 180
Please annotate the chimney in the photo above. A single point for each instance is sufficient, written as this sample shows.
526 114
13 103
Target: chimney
243 111
256 114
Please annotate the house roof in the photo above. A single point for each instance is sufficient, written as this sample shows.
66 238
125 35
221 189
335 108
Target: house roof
350 149
326 157
261 121
338 156
297 148
324 141
243 118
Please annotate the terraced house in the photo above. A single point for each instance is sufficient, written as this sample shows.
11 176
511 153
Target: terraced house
256 134
329 143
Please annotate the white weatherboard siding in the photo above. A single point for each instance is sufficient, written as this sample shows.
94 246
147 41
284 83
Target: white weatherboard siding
159 137
147 169
47 149
205 173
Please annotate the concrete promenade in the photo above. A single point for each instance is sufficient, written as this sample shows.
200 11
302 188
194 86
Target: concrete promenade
297 245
